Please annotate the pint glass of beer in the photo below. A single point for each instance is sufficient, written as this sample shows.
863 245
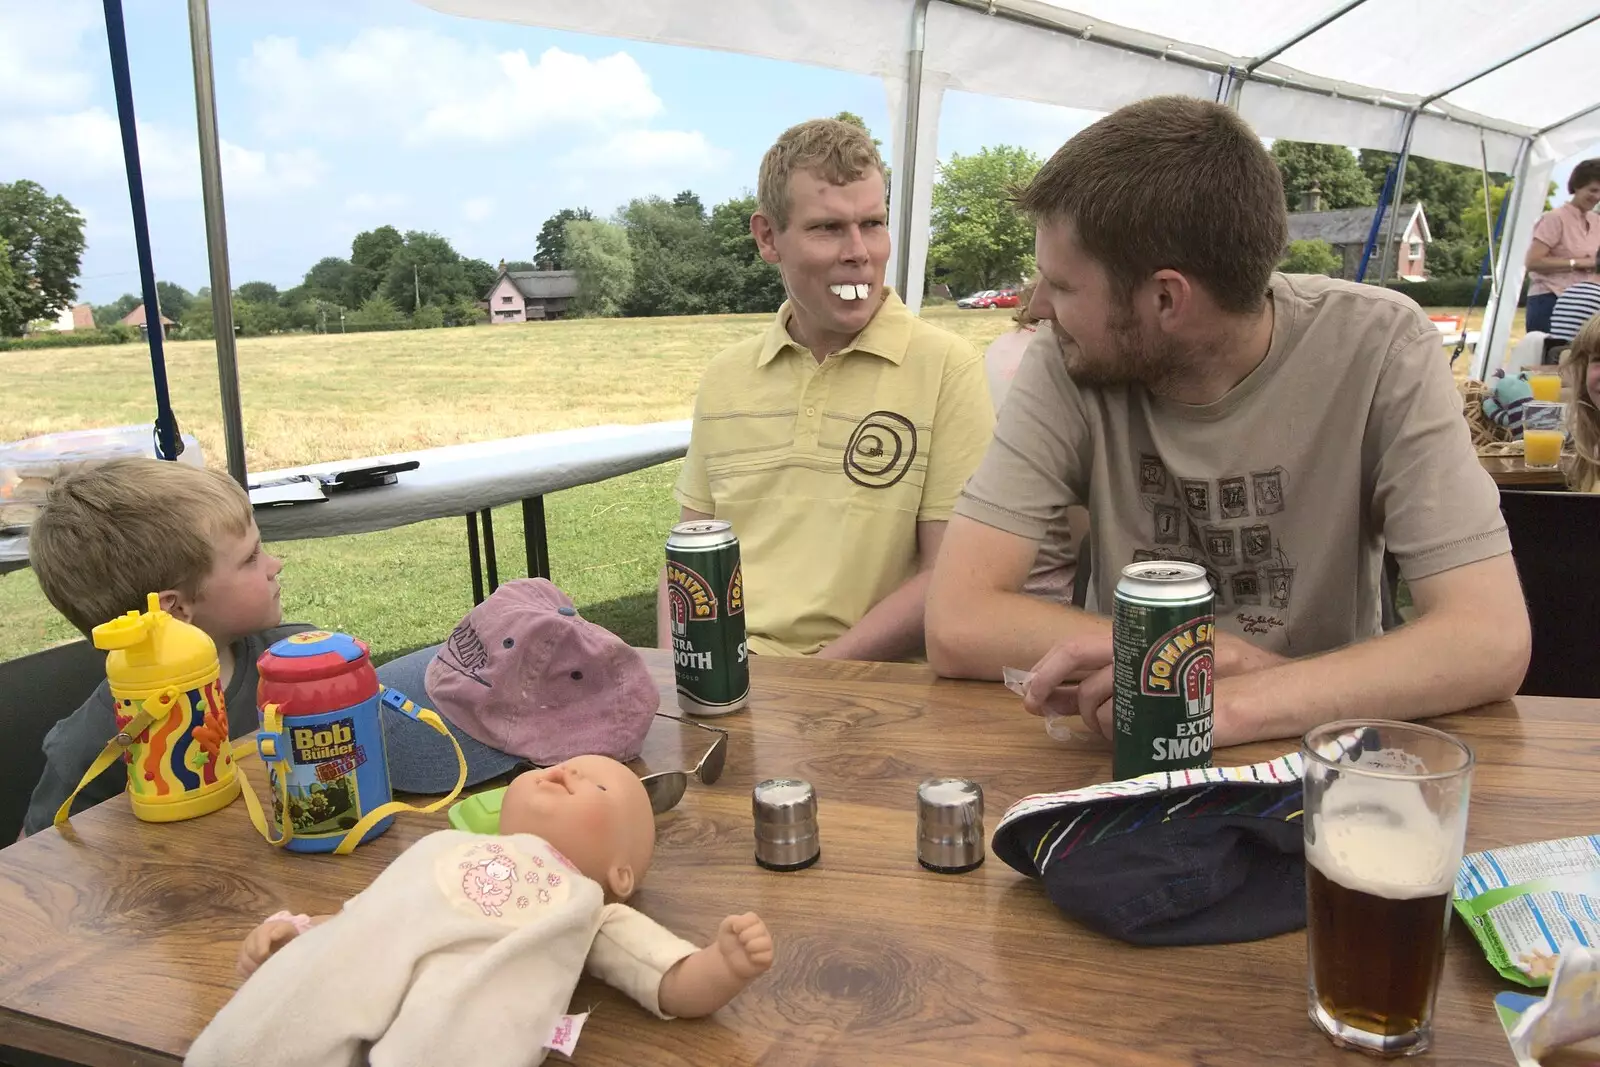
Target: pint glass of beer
1385 819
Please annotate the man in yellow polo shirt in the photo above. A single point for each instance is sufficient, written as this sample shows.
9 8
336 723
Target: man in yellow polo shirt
838 440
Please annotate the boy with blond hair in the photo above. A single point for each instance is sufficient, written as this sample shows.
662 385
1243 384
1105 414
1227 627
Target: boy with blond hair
112 533
837 440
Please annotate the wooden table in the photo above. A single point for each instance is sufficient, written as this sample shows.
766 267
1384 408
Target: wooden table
117 948
1510 472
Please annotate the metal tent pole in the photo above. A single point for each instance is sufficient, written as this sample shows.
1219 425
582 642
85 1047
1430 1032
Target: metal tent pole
168 443
908 158
1399 197
1489 335
205 106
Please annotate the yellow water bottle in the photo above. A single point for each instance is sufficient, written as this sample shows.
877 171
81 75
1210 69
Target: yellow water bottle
172 723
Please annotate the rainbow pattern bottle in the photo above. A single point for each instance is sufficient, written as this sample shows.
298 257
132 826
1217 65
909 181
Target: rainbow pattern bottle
171 719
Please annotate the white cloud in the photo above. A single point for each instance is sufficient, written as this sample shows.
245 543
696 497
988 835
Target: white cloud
249 173
40 65
649 150
431 88
87 144
478 208
372 203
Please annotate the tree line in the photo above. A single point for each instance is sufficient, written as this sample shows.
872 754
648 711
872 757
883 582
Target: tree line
658 256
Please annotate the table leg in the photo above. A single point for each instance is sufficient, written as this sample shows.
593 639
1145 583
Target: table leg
473 562
491 561
533 535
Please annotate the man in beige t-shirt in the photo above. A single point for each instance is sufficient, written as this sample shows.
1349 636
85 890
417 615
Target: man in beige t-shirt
1280 431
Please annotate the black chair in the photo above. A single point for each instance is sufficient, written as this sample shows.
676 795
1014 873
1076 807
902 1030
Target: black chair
35 693
1081 577
1555 540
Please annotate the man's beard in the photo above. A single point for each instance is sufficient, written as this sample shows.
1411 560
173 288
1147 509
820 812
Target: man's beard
1129 357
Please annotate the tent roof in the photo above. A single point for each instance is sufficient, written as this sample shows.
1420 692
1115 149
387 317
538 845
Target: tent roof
1337 71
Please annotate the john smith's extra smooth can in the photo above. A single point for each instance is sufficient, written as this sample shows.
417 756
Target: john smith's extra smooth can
1161 637
705 598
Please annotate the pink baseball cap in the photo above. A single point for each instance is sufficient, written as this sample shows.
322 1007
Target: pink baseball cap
524 673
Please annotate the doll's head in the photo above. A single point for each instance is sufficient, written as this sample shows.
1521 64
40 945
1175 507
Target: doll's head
592 810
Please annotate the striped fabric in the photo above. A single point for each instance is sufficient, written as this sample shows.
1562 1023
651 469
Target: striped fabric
1573 308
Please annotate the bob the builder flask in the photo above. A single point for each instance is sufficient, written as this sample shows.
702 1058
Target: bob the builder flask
172 724
321 738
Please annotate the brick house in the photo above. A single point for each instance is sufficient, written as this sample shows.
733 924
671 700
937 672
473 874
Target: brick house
530 295
1346 229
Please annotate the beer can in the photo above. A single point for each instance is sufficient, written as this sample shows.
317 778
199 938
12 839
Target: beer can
705 600
1161 637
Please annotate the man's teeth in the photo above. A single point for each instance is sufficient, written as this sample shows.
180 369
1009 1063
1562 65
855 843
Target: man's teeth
850 292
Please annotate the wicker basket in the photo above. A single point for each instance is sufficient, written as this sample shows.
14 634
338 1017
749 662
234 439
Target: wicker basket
1489 438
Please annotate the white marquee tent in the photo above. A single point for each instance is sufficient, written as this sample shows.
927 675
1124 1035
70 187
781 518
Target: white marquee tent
1465 81
1475 82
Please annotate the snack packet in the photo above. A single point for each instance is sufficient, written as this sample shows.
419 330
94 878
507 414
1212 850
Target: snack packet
1058 727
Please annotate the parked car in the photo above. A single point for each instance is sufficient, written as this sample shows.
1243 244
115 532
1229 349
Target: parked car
990 298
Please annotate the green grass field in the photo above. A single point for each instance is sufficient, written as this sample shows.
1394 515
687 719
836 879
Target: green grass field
309 398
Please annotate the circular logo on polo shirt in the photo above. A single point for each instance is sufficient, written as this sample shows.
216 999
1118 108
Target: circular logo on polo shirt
880 450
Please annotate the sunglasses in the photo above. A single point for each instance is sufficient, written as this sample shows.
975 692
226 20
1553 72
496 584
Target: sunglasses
666 788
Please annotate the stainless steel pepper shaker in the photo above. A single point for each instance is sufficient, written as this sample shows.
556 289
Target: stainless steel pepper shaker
786 824
949 825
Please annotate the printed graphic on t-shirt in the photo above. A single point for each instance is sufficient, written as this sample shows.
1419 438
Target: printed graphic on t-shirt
498 878
1152 475
880 451
1248 568
1235 498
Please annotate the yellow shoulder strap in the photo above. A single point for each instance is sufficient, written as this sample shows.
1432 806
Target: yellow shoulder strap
115 748
268 745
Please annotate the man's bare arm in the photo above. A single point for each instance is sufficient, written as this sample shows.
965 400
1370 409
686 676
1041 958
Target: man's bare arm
978 621
1446 660
892 628
663 616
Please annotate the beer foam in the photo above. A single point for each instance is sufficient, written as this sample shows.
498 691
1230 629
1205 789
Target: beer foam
1380 837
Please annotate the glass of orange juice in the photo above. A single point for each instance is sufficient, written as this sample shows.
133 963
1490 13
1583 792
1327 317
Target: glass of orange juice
1543 431
1545 386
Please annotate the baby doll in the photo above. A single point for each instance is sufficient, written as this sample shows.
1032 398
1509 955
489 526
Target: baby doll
467 948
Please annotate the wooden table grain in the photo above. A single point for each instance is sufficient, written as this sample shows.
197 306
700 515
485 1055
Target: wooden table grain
117 943
1510 472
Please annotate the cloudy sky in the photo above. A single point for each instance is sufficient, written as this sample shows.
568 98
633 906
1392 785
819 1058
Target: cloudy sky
339 116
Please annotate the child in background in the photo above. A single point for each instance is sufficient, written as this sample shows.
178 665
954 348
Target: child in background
1584 418
114 532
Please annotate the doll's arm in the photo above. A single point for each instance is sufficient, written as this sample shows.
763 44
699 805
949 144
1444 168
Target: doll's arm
700 984
260 944
671 977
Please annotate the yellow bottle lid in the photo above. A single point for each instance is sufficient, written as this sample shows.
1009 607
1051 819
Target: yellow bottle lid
151 650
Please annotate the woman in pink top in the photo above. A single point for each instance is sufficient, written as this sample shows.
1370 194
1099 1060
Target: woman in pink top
1055 567
1564 244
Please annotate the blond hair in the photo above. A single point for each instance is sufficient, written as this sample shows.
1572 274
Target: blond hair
111 533
1170 183
1585 417
835 151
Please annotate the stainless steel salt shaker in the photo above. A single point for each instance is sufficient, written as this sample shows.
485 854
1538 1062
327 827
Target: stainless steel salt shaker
950 825
786 824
